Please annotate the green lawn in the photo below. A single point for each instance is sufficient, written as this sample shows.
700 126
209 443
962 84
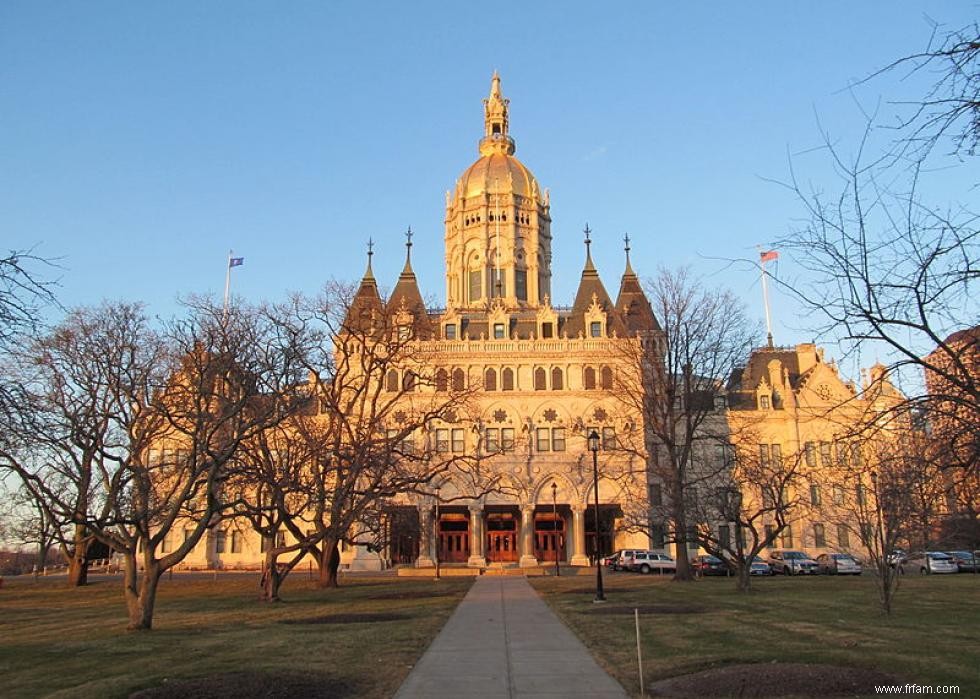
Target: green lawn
933 637
72 643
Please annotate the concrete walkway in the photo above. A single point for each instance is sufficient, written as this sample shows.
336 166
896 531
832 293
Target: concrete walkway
503 641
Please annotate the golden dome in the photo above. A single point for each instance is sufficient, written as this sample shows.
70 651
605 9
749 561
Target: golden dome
497 173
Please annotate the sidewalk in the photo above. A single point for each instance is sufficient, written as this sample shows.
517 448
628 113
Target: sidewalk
503 641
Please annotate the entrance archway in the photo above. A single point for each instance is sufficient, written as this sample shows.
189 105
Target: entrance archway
454 537
501 537
549 537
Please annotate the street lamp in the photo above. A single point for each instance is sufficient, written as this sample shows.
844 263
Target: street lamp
438 536
600 596
554 505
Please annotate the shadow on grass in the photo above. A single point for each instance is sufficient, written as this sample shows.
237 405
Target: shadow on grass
252 685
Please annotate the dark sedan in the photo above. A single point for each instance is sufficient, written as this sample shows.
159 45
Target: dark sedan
710 565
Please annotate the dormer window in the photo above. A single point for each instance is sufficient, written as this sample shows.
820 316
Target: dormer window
764 402
547 330
498 331
595 329
450 331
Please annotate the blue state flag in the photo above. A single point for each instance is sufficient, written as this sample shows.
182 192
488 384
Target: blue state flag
236 261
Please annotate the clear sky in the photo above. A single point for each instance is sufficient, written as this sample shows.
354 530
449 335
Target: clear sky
139 142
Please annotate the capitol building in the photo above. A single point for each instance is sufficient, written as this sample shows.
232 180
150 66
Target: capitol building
540 378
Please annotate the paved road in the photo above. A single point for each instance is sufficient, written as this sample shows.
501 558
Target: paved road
503 641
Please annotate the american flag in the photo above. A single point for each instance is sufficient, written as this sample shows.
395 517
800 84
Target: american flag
768 256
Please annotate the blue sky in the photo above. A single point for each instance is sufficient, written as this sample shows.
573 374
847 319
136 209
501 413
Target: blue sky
140 141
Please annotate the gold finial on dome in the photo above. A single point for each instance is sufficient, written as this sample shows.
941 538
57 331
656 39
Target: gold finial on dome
496 122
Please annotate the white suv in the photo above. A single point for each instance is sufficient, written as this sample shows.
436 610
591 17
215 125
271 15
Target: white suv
648 561
621 559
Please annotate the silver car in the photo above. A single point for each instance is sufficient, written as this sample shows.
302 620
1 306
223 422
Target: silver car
789 562
838 564
930 562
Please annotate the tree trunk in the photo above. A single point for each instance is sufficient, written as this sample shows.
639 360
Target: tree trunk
683 571
329 563
78 560
744 576
272 579
141 591
887 579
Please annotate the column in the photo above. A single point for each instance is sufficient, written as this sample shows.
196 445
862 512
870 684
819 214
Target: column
528 559
578 536
477 559
427 544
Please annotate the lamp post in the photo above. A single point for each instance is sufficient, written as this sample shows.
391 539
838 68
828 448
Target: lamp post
600 596
554 505
437 532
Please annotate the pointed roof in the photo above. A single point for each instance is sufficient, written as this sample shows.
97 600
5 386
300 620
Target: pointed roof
406 293
632 301
591 287
366 299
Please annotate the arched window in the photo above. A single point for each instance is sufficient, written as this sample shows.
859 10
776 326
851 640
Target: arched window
391 381
408 381
557 382
459 380
490 380
606 378
540 379
442 380
508 379
589 379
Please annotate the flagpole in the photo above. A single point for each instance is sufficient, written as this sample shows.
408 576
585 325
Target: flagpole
765 300
765 293
227 281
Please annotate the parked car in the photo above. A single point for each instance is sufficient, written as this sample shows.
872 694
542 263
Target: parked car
929 562
838 564
610 561
789 562
620 559
649 561
897 557
760 567
966 561
706 564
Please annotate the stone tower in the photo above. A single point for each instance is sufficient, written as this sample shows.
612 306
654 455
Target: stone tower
498 224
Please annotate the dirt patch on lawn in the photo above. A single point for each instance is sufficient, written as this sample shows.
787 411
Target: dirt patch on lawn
646 609
757 680
251 685
347 619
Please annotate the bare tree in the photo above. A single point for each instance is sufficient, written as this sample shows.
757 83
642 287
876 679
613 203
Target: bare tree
273 493
749 504
376 390
950 108
703 337
884 274
132 429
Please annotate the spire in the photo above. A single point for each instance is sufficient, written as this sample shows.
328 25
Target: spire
408 252
629 268
632 302
589 267
369 273
406 294
591 290
366 302
496 122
